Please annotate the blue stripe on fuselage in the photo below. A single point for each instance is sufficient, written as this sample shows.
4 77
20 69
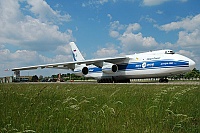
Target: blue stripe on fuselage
153 64
147 65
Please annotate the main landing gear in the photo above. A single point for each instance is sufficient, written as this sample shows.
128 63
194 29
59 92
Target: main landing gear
109 80
163 80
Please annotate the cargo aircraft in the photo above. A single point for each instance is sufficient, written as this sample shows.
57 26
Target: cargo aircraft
153 64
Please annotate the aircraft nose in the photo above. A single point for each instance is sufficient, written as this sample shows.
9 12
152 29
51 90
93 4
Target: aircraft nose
191 64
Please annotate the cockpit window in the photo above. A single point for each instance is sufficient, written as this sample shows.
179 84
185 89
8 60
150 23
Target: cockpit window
169 52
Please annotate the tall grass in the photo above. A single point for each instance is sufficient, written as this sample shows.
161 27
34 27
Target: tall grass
99 108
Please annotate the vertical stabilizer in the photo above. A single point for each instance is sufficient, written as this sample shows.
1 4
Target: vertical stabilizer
77 56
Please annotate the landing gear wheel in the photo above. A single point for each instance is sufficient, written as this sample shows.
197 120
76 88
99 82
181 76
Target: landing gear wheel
106 80
112 80
163 80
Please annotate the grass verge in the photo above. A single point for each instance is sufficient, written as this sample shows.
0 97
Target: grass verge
99 108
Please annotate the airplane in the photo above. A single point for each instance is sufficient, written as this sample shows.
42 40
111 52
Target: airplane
152 64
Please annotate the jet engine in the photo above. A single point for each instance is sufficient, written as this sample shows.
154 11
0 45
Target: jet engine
109 68
81 70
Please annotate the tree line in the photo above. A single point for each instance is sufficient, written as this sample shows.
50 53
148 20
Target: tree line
194 74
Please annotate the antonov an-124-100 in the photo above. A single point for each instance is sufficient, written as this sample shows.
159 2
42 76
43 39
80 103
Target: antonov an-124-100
153 64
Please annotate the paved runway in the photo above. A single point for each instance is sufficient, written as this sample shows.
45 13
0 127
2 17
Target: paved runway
172 83
141 83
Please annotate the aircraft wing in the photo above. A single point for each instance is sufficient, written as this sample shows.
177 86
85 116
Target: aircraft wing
99 62
71 65
63 65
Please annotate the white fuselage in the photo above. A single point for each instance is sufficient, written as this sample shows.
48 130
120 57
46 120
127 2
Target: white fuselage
147 65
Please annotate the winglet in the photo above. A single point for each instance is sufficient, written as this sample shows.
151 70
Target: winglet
77 56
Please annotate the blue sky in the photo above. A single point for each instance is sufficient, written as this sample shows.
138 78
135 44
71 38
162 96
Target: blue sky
38 32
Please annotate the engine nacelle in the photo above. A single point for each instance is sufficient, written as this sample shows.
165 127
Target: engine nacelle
109 68
81 70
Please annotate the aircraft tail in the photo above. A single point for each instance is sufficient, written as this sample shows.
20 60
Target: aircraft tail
77 56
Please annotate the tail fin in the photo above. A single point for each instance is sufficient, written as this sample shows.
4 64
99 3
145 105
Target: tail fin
77 56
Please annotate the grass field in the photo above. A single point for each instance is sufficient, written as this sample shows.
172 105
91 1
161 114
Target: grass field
102 108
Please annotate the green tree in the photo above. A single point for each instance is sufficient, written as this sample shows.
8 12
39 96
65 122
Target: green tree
40 77
192 74
35 78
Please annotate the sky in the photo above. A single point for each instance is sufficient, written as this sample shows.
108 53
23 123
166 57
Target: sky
34 32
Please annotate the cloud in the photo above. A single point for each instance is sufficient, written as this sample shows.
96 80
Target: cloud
96 3
159 12
137 42
189 23
148 19
116 25
28 32
157 2
109 51
64 49
33 35
132 27
9 11
153 2
25 57
130 38
186 53
114 34
15 59
191 39
22 58
189 30
2 46
109 16
45 13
